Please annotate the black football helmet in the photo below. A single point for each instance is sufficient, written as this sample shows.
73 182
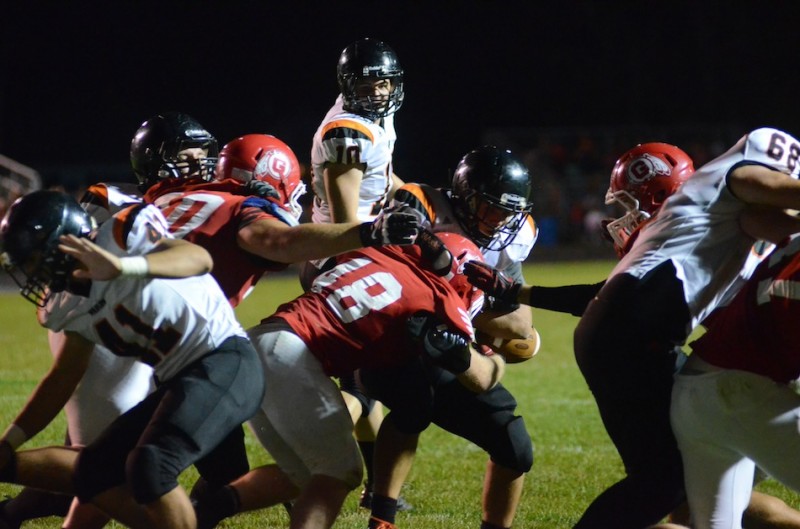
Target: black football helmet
491 192
369 59
29 235
155 148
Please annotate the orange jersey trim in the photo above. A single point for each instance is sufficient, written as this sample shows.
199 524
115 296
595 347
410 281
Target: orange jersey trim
122 225
419 193
348 124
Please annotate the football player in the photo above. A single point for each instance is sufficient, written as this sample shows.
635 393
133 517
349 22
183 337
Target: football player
697 248
352 177
489 202
377 308
133 288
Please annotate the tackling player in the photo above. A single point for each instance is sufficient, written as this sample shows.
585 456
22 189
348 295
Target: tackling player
377 308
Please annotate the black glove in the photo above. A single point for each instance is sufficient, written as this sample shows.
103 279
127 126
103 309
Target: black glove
393 226
493 282
434 252
445 348
262 189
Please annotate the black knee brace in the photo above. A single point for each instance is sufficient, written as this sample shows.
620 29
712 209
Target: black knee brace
8 474
150 474
511 446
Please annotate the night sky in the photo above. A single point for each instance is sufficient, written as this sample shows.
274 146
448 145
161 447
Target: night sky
77 78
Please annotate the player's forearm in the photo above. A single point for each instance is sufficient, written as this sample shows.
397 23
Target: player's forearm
512 325
571 299
484 372
760 185
307 242
176 258
45 403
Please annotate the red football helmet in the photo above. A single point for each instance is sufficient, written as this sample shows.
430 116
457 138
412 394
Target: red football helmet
266 158
462 250
642 179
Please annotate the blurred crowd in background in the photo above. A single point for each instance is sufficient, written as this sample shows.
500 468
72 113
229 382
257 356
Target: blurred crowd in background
570 166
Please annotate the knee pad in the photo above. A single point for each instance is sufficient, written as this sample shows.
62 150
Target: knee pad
512 446
8 474
150 474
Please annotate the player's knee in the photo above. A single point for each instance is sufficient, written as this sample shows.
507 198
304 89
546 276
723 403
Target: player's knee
349 468
512 446
150 474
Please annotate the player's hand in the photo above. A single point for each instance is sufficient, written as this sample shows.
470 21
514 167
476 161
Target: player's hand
493 282
399 225
96 262
445 348
262 189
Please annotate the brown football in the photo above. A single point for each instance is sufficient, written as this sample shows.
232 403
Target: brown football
515 350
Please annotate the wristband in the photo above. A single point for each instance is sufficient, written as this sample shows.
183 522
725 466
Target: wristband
133 266
14 436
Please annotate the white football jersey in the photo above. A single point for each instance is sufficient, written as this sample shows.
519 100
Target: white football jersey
348 138
166 323
439 215
697 229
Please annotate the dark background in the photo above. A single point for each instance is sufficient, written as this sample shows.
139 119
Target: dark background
77 78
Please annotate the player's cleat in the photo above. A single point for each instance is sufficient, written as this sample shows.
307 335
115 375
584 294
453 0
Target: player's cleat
376 523
366 500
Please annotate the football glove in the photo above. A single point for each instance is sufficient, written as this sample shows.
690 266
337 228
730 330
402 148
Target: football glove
392 226
445 348
262 189
493 282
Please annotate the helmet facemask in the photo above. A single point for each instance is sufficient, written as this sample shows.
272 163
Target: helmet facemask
182 161
622 229
42 273
492 222
370 105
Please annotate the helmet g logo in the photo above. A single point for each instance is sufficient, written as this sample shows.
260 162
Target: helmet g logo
274 163
646 167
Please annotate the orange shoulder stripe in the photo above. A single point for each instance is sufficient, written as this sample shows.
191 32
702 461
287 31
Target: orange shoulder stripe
348 124
417 192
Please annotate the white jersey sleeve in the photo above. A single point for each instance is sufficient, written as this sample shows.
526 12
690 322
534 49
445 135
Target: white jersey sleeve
345 138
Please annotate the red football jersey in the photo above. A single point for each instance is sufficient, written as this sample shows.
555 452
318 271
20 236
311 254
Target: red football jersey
759 331
210 214
355 315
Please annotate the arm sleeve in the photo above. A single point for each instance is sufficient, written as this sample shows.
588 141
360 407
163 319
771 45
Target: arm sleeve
571 299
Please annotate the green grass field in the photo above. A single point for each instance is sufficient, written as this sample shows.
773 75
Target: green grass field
574 460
